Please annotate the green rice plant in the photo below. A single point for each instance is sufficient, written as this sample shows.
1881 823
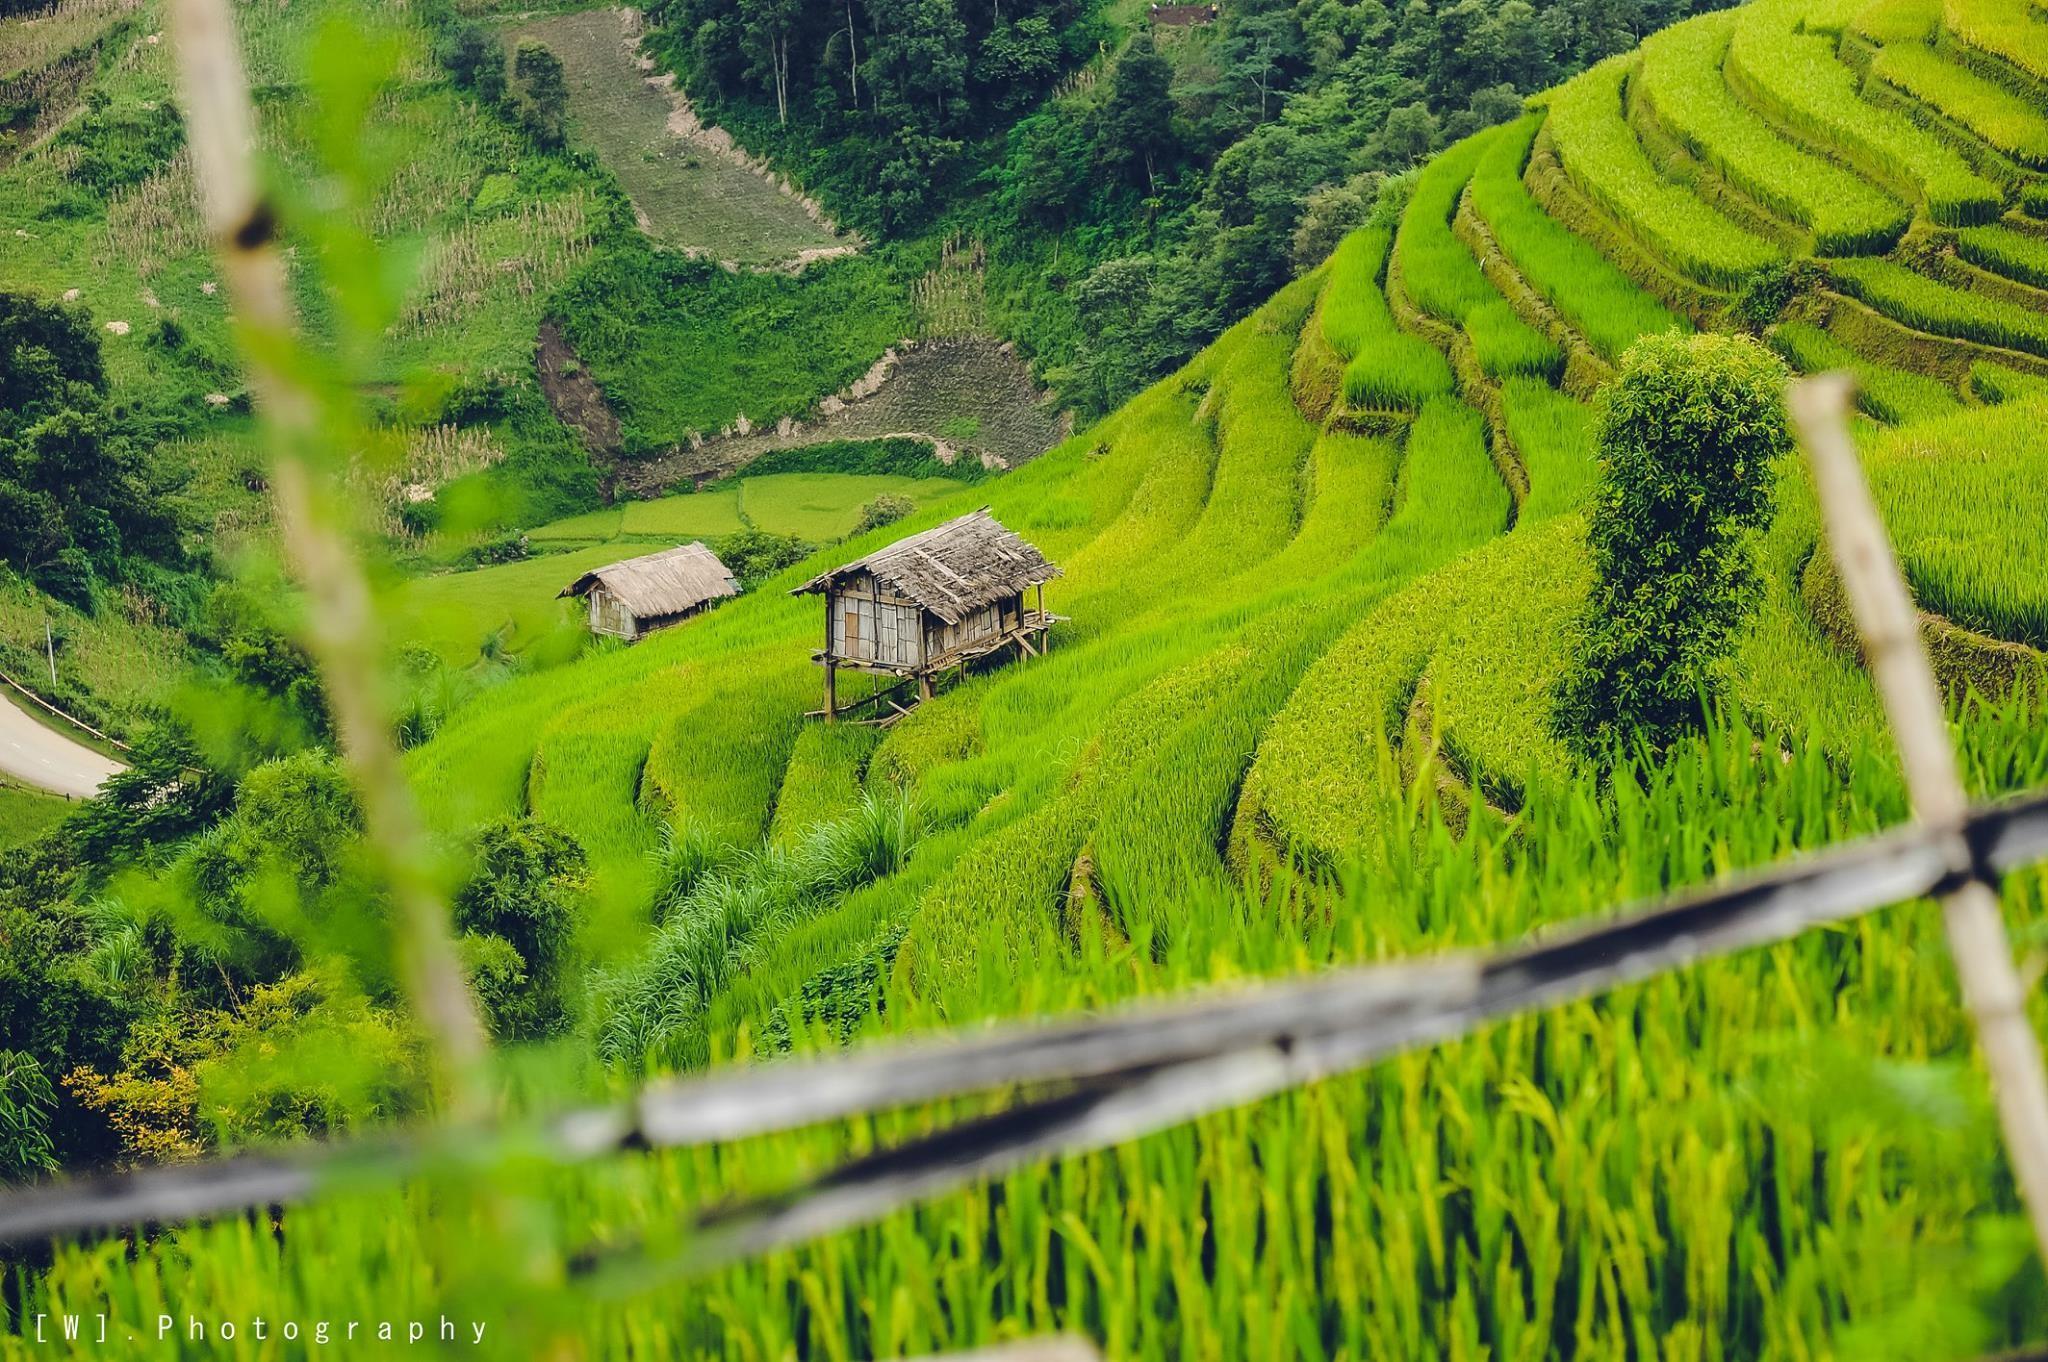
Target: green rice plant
2000 249
2007 121
823 780
1555 437
1894 396
2009 30
1396 371
1508 347
2034 199
1681 79
1994 383
1600 302
1489 683
1796 79
648 1015
1899 21
1965 498
1436 269
1354 309
1926 305
1601 154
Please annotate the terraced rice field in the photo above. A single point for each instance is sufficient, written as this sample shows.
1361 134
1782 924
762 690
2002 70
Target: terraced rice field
1320 586
691 196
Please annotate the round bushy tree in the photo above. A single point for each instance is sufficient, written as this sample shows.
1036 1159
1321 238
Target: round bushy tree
1690 435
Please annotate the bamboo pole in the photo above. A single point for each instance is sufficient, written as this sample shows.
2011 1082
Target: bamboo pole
1889 626
341 620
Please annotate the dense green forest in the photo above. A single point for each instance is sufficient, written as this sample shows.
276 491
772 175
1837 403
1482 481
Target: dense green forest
1437 570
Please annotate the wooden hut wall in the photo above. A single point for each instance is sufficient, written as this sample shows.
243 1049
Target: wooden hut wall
874 626
609 616
987 622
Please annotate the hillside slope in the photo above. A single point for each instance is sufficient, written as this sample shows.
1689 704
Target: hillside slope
1320 585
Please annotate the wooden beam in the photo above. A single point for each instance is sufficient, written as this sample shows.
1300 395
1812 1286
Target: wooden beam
1994 994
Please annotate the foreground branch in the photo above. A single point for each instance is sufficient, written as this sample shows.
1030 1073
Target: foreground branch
341 633
1889 627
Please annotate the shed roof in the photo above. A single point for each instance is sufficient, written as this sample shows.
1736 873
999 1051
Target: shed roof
951 569
664 583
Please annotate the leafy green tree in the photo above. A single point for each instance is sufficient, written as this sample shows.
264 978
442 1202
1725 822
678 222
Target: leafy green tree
543 92
1690 435
1137 130
75 495
475 59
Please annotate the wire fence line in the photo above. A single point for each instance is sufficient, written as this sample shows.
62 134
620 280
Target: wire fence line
1088 1083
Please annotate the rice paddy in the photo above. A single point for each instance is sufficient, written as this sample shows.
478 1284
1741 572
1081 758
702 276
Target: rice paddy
1300 714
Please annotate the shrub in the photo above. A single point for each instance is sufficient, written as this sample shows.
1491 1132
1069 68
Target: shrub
885 509
526 889
26 1102
1690 434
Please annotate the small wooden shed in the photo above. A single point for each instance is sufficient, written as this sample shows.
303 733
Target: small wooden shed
633 598
933 602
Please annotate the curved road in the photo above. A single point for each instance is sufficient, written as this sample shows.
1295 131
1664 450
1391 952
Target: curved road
46 759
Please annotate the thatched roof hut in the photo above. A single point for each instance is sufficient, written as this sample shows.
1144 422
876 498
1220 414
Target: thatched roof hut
951 570
634 597
934 601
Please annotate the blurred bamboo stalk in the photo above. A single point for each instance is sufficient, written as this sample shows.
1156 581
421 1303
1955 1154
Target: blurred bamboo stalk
1888 624
341 635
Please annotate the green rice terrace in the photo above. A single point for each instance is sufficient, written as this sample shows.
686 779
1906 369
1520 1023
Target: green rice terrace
1321 591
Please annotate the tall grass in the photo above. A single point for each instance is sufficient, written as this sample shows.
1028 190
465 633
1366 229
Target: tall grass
2009 122
1894 396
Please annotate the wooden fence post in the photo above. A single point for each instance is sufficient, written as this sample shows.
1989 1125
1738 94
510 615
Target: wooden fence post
1889 626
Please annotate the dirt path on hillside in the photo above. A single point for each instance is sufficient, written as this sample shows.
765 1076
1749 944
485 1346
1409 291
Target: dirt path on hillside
46 759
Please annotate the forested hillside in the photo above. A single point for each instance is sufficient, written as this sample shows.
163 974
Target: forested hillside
1341 595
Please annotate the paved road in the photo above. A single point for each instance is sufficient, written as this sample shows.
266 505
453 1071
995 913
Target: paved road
45 758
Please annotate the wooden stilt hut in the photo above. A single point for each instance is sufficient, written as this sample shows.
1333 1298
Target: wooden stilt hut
927 605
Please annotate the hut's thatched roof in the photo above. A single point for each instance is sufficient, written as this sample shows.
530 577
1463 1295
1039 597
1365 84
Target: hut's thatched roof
665 583
951 569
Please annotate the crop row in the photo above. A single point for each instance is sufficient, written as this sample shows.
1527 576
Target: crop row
1600 302
1965 499
1555 437
1444 280
1436 269
1796 78
2002 118
1895 396
1681 78
2007 29
2000 249
1388 368
1926 305
1601 154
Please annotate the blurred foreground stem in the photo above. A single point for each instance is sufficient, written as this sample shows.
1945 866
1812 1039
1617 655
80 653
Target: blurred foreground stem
340 620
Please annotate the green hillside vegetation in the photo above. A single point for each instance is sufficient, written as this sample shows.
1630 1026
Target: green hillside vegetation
1324 583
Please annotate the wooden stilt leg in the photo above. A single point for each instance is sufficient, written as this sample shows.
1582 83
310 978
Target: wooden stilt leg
831 692
924 685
